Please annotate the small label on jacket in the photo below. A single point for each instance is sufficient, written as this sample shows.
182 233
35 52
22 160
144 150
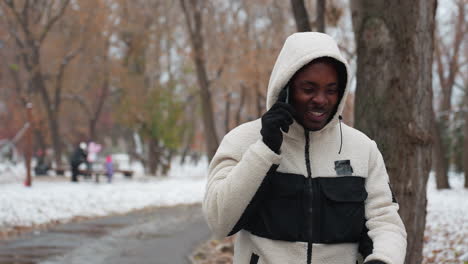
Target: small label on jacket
343 167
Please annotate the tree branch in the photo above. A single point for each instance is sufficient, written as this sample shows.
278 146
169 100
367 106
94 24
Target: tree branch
438 57
459 34
52 21
105 90
80 100
24 12
11 5
22 21
15 35
187 19
58 84
219 72
15 75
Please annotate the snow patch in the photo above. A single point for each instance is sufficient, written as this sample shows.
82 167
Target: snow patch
61 200
446 233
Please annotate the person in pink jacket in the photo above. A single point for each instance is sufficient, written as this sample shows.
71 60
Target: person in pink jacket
109 168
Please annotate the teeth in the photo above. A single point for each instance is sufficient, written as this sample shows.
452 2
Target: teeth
317 113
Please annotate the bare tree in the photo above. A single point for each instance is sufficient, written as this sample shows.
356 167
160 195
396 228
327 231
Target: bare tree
394 42
92 107
93 93
29 30
18 90
463 86
465 134
300 15
227 111
447 64
152 81
193 17
321 11
302 18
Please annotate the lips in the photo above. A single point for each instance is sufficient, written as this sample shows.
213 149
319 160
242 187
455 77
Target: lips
317 113
316 116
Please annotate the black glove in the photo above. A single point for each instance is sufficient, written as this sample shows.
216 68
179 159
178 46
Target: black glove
279 117
374 262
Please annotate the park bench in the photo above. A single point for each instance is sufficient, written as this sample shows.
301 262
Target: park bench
61 172
126 173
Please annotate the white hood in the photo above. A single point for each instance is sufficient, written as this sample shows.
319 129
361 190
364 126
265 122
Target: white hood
298 50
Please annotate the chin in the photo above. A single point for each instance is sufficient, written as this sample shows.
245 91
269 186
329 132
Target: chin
312 126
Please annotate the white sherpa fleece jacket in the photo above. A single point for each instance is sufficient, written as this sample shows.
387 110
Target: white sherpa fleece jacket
243 160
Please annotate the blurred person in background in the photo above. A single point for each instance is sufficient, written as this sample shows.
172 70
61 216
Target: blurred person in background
109 168
43 163
92 154
78 157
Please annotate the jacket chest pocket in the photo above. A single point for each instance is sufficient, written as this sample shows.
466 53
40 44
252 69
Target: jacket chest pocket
342 213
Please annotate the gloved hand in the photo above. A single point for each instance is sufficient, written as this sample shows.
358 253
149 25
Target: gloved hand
374 262
279 117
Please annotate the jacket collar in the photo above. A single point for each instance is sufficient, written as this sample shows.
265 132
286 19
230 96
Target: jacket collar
296 130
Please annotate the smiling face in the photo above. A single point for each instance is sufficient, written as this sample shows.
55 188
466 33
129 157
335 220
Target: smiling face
315 94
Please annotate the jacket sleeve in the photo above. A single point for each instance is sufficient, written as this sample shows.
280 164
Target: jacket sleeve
386 229
234 176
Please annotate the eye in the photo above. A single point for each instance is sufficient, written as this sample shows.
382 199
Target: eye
308 89
332 91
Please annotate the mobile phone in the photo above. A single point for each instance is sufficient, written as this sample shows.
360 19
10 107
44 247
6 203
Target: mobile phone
287 94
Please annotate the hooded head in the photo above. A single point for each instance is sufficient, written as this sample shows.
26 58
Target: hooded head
310 57
83 146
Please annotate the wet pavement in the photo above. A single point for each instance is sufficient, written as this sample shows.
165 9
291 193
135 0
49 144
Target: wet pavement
158 236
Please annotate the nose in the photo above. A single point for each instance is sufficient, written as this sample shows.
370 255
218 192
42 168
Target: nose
319 98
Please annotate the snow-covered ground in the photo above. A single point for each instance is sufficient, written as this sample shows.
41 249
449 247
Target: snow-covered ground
57 199
446 237
446 234
10 172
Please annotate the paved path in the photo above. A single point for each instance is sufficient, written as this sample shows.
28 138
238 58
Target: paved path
159 236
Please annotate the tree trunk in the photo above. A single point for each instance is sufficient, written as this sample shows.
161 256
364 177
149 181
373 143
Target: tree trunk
184 154
321 10
40 143
99 107
92 130
55 137
394 42
31 43
193 18
465 137
154 156
166 165
52 111
447 70
300 15
227 112
242 96
259 102
211 137
440 158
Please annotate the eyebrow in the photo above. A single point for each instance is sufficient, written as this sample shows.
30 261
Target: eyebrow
314 83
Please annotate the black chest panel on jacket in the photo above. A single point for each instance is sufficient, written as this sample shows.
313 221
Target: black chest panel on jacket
280 207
